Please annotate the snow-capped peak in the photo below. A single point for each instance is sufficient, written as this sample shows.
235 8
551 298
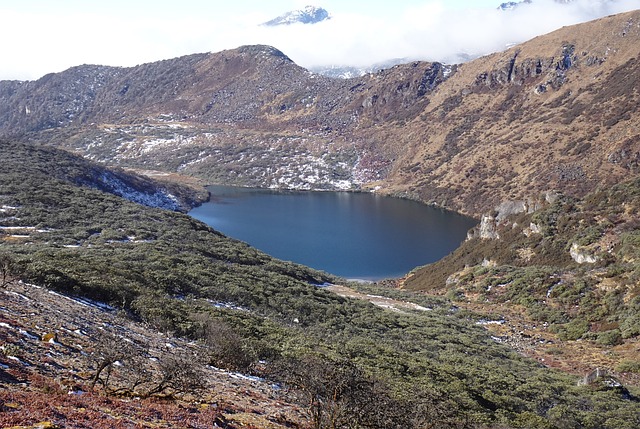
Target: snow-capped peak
308 15
512 4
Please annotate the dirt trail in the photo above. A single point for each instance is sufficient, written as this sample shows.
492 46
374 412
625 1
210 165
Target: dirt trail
380 301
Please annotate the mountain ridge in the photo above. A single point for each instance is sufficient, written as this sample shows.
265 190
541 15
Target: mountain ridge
414 130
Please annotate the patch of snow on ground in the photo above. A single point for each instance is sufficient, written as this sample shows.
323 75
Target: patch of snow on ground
19 295
28 335
195 161
227 305
237 375
94 304
157 199
484 322
4 209
18 360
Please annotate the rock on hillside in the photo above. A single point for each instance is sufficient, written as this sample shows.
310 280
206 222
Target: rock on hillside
557 112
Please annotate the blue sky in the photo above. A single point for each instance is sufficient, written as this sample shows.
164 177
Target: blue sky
43 36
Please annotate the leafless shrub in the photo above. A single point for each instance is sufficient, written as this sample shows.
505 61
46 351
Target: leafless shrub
225 347
118 357
339 394
126 368
8 270
178 372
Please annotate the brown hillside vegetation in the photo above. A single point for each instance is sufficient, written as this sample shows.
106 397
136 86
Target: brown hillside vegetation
558 112
563 275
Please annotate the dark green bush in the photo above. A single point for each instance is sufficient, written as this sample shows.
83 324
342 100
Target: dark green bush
609 338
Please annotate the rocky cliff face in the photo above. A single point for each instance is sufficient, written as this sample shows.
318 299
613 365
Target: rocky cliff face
558 112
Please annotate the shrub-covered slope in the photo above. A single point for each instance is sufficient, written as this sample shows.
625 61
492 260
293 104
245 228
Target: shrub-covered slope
351 363
572 267
51 163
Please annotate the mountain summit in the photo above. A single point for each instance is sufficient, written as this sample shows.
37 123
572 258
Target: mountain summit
308 15
512 4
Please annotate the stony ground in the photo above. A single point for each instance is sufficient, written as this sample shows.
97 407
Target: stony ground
47 361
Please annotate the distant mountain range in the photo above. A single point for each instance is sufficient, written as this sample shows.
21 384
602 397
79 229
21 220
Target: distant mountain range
314 15
348 72
308 15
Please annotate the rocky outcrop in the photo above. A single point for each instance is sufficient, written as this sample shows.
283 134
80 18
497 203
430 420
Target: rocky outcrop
486 230
581 255
518 71
489 226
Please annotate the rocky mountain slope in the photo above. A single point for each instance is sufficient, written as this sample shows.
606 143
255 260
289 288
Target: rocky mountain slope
51 346
246 116
558 112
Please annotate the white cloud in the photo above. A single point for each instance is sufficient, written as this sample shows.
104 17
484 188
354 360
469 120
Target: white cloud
430 31
35 43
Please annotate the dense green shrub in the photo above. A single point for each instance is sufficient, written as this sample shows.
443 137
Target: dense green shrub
573 330
609 338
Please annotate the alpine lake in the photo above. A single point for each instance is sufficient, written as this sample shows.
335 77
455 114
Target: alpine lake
358 236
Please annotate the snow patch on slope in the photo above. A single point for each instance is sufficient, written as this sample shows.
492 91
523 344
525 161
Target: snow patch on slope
159 198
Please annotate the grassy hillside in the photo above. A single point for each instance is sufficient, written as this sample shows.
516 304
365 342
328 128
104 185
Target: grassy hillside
351 363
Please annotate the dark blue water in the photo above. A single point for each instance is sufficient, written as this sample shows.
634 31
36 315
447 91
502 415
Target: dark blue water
353 235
